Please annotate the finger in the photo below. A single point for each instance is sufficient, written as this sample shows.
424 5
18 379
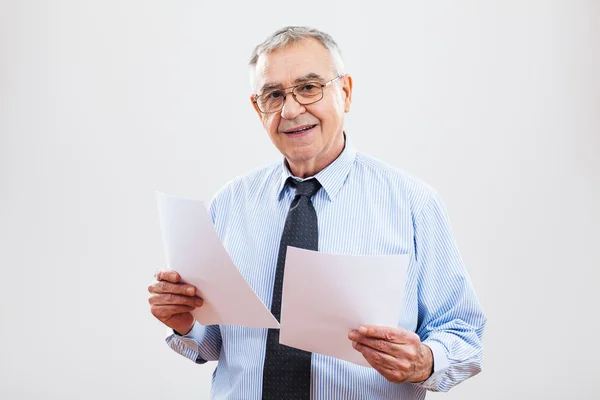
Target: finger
163 312
387 373
161 287
375 356
168 275
392 369
174 299
390 334
390 375
391 348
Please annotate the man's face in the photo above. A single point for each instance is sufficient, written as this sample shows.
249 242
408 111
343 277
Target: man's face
307 151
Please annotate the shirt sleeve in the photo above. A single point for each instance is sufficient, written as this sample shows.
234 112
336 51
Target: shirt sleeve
201 344
451 321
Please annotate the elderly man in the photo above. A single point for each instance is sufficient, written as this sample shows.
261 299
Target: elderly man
326 196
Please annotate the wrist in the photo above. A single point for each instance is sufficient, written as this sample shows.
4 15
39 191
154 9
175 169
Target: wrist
426 366
184 332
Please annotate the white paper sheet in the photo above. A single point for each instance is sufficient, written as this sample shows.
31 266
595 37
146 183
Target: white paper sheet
325 296
194 250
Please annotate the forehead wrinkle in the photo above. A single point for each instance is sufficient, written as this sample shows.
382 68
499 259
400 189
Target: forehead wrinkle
285 64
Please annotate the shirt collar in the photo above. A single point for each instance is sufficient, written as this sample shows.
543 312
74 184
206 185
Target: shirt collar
332 177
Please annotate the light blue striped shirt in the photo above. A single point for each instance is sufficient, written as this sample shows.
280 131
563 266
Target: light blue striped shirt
364 208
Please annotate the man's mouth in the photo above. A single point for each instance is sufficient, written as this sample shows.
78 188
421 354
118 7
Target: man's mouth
299 129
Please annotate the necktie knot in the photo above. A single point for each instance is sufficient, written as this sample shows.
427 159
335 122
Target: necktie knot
306 188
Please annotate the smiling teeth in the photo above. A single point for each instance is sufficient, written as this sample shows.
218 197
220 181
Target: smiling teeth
303 129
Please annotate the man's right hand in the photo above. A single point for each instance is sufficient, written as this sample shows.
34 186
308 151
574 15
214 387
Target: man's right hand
172 302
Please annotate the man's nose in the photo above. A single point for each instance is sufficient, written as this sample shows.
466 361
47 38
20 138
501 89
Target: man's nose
291 108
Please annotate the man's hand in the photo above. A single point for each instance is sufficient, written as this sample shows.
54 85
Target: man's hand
171 301
395 353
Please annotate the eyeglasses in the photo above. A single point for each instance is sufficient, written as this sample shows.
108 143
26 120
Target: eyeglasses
271 101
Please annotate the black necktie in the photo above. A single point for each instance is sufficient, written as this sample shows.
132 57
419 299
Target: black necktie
286 373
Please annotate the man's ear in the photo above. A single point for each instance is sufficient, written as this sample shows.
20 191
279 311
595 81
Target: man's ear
252 100
347 89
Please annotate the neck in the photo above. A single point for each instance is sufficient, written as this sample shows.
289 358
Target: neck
316 165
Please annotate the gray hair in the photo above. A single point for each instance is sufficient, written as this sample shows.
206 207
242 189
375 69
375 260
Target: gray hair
294 34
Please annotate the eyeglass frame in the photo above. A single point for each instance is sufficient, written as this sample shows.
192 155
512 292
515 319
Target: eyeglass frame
290 89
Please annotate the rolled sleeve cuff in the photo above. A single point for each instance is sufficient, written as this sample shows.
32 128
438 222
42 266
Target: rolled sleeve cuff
440 365
187 345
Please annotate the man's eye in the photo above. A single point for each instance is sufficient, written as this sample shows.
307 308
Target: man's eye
308 87
274 95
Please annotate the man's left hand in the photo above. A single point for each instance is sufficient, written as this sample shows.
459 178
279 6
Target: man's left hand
395 353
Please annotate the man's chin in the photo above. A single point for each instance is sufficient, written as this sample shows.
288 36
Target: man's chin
300 155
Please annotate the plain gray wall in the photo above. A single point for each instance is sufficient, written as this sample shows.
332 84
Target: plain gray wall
494 103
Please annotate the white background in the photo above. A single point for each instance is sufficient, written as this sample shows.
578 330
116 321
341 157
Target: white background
494 103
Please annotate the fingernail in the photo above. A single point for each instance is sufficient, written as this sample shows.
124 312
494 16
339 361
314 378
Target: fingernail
199 302
352 335
362 330
190 291
354 344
